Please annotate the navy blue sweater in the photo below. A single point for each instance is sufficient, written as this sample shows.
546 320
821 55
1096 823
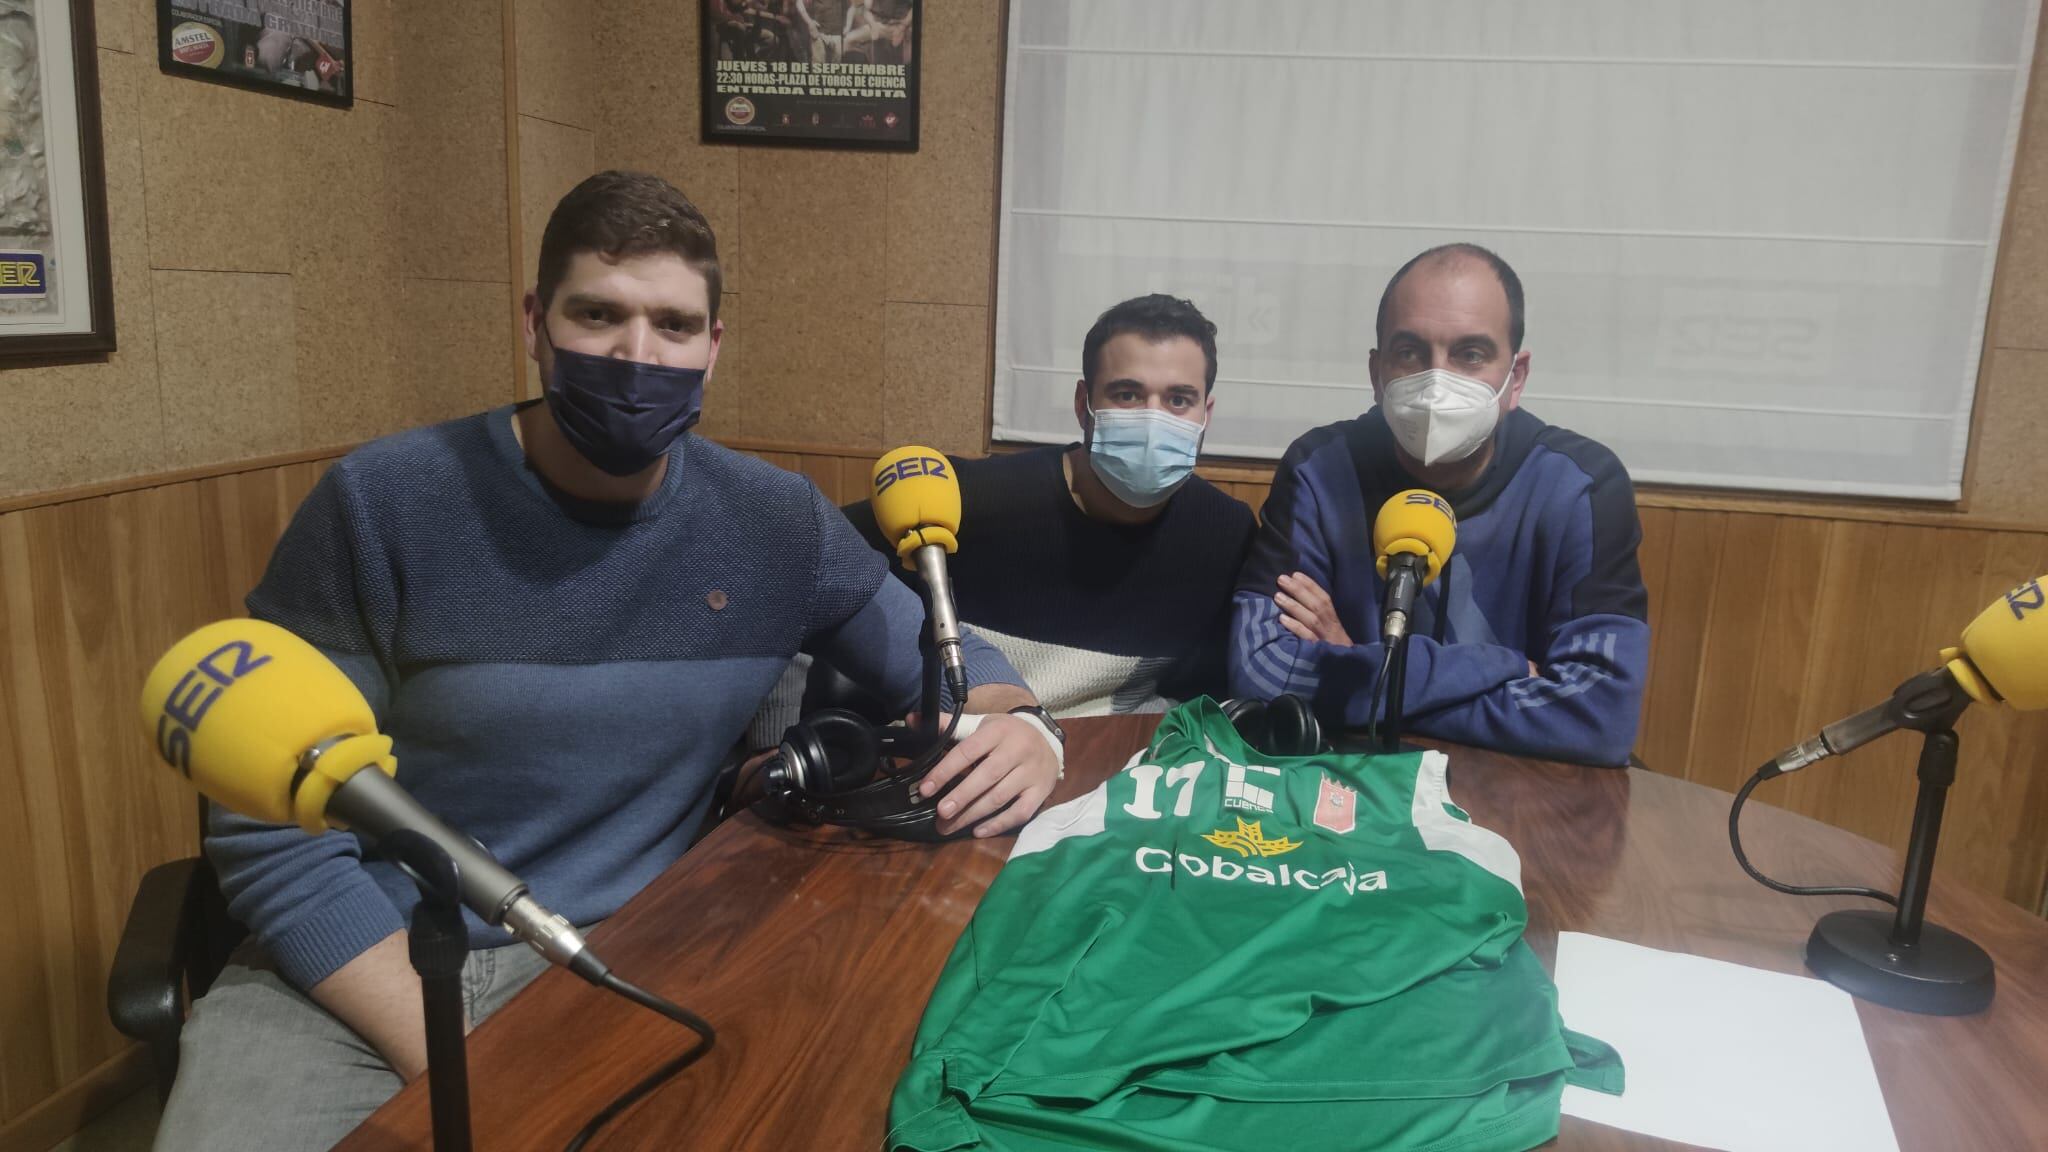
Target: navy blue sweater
561 679
1544 570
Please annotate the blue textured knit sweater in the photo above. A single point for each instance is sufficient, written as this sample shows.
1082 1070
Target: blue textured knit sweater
1544 570
561 679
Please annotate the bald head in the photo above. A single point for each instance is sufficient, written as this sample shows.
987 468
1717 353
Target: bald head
1452 262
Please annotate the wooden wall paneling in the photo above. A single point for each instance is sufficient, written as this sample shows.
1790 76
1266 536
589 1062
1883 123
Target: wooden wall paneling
1653 556
91 592
60 609
1682 625
36 907
299 480
1951 570
170 599
1996 832
91 677
1729 652
1840 625
1790 580
787 461
856 478
1871 791
823 471
47 1122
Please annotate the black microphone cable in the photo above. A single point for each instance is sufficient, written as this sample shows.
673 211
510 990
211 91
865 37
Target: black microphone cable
631 1096
1771 771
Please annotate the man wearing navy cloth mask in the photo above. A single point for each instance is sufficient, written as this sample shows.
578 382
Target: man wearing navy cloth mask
1535 637
563 613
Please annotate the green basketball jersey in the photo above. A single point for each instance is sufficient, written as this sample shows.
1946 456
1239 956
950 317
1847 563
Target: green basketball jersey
1218 949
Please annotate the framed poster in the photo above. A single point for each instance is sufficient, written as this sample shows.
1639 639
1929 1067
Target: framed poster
821 73
56 281
296 48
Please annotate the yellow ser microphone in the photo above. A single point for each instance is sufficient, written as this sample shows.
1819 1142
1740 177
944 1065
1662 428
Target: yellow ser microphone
916 500
1412 536
2004 654
260 722
2002 659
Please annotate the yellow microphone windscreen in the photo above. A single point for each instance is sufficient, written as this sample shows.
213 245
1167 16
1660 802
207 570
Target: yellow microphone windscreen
235 704
2004 654
917 500
1419 523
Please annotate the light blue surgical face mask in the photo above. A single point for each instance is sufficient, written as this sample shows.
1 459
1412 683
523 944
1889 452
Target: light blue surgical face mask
1143 454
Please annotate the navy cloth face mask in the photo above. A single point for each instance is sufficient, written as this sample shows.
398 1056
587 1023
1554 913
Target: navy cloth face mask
622 415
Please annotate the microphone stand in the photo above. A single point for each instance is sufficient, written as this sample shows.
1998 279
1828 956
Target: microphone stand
1397 683
438 943
928 650
1900 960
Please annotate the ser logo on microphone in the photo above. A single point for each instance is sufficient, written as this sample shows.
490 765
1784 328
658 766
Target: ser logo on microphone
907 467
2026 598
1431 499
194 694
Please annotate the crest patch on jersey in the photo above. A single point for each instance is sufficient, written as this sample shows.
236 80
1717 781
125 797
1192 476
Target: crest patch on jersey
1336 807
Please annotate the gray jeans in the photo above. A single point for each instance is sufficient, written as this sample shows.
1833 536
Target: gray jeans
261 1068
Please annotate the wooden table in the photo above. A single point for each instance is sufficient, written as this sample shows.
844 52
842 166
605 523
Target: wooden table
813 954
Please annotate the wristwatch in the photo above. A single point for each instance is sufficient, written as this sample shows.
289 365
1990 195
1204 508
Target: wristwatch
1052 726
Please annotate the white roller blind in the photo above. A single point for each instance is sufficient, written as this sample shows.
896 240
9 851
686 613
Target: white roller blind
1756 235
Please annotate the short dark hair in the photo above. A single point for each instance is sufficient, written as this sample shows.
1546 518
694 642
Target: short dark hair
1156 317
619 214
1509 283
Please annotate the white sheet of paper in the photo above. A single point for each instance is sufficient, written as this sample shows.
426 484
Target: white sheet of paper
1722 1055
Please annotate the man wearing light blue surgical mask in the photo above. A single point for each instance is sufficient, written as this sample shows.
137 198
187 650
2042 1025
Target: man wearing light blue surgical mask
1103 569
1535 637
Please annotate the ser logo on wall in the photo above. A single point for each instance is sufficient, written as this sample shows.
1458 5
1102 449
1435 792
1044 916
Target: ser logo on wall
22 274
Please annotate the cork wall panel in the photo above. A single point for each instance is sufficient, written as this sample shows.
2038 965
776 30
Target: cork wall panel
453 342
936 376
342 203
942 198
815 221
346 330
2011 467
226 365
814 365
117 24
725 393
346 265
558 61
452 174
2020 307
82 422
376 50
647 114
552 159
218 201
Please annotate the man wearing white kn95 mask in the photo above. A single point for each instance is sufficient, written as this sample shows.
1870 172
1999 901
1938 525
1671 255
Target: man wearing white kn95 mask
1535 637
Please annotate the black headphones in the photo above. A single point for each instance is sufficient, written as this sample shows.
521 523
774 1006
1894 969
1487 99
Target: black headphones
837 767
1282 726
